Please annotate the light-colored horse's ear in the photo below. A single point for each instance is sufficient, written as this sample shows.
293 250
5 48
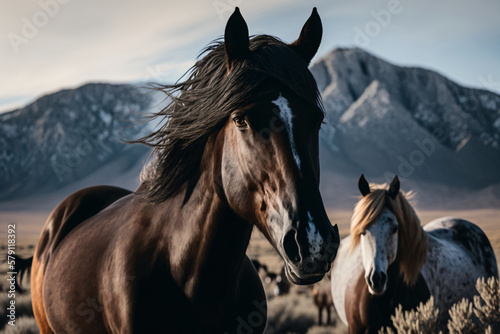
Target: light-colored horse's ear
363 186
394 187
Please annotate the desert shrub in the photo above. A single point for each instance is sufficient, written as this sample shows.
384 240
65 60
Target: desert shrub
327 330
481 316
487 304
290 313
461 318
24 325
423 320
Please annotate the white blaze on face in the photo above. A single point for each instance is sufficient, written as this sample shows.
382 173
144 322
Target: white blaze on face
314 238
379 244
286 117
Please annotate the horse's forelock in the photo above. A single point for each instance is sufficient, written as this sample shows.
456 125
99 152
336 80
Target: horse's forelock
365 213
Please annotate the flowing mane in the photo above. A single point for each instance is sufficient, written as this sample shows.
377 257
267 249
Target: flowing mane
201 104
413 242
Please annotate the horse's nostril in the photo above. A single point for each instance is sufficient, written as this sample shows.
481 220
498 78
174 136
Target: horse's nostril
332 244
383 278
378 279
290 246
375 278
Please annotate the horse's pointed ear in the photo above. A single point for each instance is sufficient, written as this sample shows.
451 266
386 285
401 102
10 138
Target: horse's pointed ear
310 37
364 187
394 187
236 39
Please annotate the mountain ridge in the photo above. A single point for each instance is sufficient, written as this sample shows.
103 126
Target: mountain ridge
62 137
379 114
442 139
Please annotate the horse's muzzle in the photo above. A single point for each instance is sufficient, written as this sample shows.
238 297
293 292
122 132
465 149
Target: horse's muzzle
308 259
376 281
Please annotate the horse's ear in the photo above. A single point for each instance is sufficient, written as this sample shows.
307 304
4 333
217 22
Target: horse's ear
364 187
394 187
236 40
310 37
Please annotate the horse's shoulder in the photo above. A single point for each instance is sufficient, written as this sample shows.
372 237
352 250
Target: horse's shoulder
347 267
345 255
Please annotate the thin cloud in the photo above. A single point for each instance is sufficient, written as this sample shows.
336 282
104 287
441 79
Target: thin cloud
119 41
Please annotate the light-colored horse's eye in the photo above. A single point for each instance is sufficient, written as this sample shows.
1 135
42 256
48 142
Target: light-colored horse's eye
363 233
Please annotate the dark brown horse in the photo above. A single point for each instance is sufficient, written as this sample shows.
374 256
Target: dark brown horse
322 298
238 148
282 284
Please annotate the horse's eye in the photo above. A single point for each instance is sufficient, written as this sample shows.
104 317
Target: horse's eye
240 122
394 229
363 233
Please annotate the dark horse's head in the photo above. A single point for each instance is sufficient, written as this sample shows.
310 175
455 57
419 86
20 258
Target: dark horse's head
256 105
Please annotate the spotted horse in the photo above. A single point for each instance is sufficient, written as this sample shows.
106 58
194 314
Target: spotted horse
390 259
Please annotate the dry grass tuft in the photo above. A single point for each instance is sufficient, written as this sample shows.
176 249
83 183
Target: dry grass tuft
422 320
327 330
481 316
487 304
461 318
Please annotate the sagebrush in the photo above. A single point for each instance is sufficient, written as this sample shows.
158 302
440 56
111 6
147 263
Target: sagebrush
480 316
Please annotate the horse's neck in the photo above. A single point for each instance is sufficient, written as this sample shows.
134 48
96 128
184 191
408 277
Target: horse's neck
413 247
393 276
221 242
206 240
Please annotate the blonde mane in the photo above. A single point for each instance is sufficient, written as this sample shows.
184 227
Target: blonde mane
413 242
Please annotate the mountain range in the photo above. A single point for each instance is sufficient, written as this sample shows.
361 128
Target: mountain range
441 138
63 137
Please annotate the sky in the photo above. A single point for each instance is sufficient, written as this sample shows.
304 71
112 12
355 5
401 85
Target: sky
48 45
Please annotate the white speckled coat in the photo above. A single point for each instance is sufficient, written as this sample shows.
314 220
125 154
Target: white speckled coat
459 254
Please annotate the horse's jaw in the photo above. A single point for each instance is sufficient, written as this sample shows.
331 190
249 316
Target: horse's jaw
295 279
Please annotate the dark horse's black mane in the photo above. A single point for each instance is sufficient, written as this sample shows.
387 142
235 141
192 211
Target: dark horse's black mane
200 105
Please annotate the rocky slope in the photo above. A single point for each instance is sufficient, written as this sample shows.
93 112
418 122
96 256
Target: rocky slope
385 119
63 137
